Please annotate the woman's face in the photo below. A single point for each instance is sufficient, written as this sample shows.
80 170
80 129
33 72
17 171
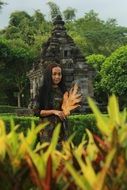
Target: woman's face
56 75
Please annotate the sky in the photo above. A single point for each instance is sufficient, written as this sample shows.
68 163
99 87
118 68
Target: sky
106 9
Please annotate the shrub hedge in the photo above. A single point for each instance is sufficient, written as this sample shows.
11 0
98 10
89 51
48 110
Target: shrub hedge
76 123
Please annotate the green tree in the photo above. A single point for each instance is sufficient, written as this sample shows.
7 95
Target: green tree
54 9
114 74
4 57
96 61
17 17
26 27
69 14
20 26
21 62
100 37
41 26
38 18
12 32
15 60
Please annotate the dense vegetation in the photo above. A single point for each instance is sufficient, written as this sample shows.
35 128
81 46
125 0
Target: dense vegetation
22 40
96 163
87 161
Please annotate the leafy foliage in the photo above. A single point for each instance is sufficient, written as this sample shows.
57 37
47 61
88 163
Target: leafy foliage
54 9
96 61
25 32
114 74
69 14
100 37
95 164
16 61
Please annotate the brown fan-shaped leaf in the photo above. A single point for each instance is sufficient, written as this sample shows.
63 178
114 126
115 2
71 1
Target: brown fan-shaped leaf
71 100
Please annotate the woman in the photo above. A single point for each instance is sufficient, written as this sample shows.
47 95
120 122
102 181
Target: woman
50 101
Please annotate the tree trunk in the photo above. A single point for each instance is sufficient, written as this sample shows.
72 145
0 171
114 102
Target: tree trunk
19 100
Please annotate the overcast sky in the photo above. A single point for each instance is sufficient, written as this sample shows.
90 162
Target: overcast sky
106 9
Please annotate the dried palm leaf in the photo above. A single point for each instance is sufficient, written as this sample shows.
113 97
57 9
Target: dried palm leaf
71 100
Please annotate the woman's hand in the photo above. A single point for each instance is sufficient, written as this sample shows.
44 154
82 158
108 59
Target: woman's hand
60 114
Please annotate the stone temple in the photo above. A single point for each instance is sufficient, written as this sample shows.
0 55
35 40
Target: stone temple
60 46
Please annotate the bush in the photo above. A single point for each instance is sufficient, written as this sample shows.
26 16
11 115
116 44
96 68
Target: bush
79 123
76 124
23 122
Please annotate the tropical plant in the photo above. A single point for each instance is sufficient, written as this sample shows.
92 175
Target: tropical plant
19 158
97 163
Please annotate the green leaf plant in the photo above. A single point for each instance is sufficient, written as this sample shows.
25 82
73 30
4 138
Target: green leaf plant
14 148
97 163
102 161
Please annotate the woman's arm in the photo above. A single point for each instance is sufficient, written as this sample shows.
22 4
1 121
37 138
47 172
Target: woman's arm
58 113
